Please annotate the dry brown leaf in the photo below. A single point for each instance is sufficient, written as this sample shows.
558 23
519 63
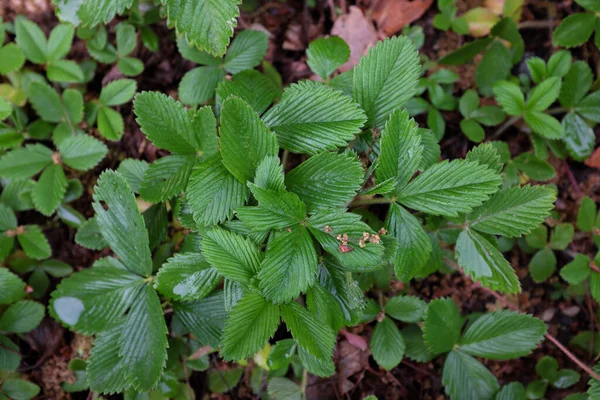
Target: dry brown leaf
393 15
358 32
594 160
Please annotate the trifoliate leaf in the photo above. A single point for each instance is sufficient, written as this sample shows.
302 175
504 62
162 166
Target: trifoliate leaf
513 212
250 325
186 277
386 78
502 335
232 255
118 92
208 24
49 190
251 86
110 123
327 180
167 177
82 152
315 337
244 139
412 239
312 117
329 227
247 50
441 328
579 136
143 342
31 40
204 318
95 299
12 288
510 97
290 265
122 225
405 308
276 210
172 127
387 344
22 316
133 171
326 55
34 243
450 188
213 193
401 150
484 263
465 378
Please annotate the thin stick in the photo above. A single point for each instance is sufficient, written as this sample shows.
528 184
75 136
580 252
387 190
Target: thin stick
537 24
505 127
572 179
367 202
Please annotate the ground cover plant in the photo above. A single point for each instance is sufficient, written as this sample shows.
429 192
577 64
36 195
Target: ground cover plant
275 200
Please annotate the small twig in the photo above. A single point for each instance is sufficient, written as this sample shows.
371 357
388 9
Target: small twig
537 24
367 202
504 127
332 10
572 179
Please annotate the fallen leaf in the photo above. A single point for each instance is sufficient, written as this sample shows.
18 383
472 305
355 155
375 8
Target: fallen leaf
357 341
594 160
358 32
393 15
480 21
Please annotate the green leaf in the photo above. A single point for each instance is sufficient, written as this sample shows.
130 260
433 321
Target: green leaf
46 102
544 125
325 306
543 95
130 66
416 349
186 277
11 58
251 323
484 263
411 238
276 210
49 189
514 211
588 107
577 270
22 316
442 325
579 136
59 42
213 193
589 5
387 344
118 92
405 308
133 171
511 391
574 30
192 53
326 55
170 126
198 85
251 86
510 97
493 67
312 117
82 152
204 318
316 338
34 243
562 236
284 389
328 224
92 12
559 63
536 168
246 51
489 115
467 52
232 255
9 355
167 177
122 225
89 235
31 40
143 342
110 123
576 84
502 335
326 180
222 381
12 288
472 130
450 188
586 214
244 139
104 367
465 378
269 174
290 265
469 102
386 78
20 389
401 150
65 71
126 38
208 24
25 162
537 69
